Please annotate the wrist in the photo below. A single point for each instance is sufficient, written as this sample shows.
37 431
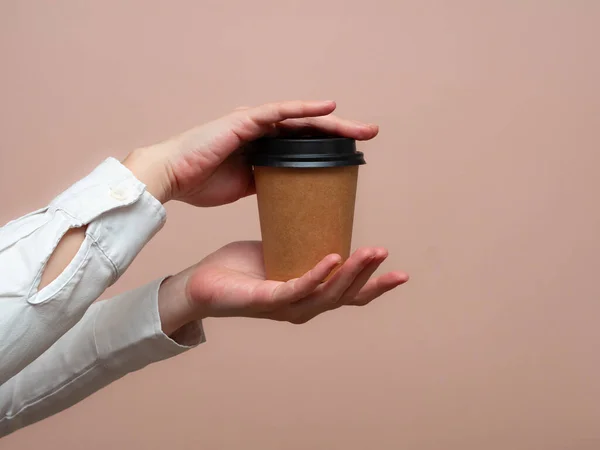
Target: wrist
173 306
147 164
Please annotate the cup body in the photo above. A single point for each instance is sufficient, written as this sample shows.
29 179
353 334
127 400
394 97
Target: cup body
306 191
305 215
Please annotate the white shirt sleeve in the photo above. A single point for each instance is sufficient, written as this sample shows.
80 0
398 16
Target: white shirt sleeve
121 217
113 338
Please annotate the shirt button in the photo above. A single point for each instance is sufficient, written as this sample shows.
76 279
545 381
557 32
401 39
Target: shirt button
118 194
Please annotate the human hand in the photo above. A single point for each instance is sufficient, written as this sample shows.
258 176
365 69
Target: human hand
203 166
231 282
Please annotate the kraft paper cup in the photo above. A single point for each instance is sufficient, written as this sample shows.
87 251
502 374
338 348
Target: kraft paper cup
306 191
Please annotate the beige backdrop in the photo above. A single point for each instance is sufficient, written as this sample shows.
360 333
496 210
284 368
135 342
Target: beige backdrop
483 184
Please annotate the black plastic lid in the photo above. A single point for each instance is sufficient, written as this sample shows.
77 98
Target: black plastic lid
305 152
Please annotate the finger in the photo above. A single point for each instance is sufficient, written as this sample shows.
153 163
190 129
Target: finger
271 113
253 123
330 125
363 277
299 288
377 287
303 311
333 290
309 310
327 295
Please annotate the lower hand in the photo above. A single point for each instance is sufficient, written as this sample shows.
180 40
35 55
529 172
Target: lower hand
203 166
231 282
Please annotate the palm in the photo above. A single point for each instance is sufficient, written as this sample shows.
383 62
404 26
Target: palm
231 282
235 275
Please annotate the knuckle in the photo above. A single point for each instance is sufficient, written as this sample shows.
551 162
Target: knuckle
311 282
237 112
298 320
361 302
295 286
271 106
364 252
266 306
331 299
262 301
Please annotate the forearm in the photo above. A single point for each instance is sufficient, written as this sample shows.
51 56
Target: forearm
115 337
173 305
46 286
63 254
144 169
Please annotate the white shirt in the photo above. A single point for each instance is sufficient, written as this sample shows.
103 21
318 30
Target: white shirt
54 348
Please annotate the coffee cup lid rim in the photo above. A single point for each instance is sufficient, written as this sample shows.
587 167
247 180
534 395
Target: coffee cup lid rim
305 152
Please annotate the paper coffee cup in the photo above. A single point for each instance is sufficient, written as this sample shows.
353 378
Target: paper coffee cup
306 191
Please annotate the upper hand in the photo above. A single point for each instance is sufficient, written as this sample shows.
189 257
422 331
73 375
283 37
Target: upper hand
231 282
202 166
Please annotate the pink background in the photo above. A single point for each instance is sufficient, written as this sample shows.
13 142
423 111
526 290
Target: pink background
483 184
